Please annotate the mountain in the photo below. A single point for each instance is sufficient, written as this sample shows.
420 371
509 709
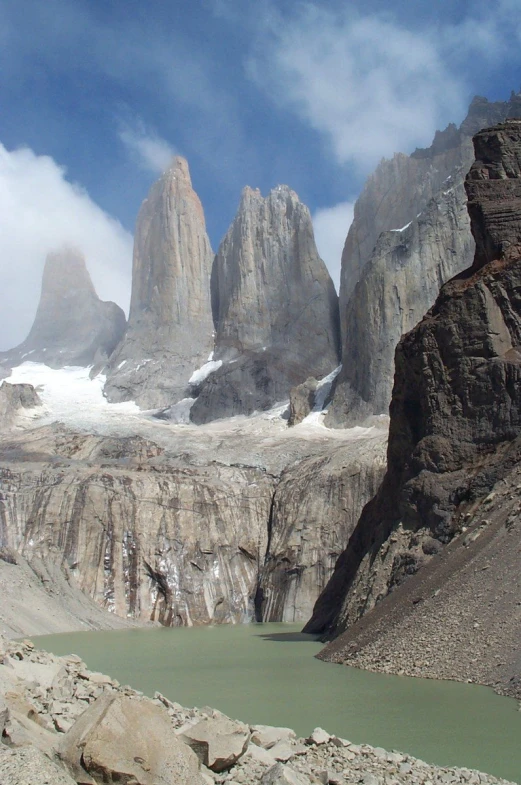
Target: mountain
409 235
275 308
437 549
72 325
170 326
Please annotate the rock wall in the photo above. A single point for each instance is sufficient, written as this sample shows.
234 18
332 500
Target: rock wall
72 325
275 308
174 535
456 407
410 234
169 333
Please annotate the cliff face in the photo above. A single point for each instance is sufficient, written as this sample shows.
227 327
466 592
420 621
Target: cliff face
410 234
455 424
170 326
72 325
162 529
275 308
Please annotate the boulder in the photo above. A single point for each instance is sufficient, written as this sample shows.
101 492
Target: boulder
107 744
218 742
4 715
30 766
268 735
301 400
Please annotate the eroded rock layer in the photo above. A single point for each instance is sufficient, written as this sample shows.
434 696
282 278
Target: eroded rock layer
72 325
455 413
275 308
410 234
170 325
163 530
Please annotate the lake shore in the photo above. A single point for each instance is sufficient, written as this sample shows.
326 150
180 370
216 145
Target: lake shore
53 706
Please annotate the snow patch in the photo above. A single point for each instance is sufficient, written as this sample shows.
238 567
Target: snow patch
69 395
402 229
204 371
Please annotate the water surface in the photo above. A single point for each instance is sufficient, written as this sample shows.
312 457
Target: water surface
266 673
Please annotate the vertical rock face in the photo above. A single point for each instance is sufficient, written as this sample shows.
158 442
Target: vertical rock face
456 406
170 325
72 325
275 308
410 234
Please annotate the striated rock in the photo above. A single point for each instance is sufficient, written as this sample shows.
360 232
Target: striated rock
455 420
13 398
170 324
410 234
72 325
107 744
314 512
218 741
275 308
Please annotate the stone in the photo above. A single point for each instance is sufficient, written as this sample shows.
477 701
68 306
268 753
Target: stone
218 743
107 744
72 325
13 399
301 400
28 765
275 308
268 735
319 736
282 751
283 775
259 754
409 235
170 326
4 715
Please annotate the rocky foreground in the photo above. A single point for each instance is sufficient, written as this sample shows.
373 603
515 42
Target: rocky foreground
63 724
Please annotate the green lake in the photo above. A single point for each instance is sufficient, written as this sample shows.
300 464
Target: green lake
266 673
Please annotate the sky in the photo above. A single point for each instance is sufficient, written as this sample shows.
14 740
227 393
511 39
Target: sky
97 96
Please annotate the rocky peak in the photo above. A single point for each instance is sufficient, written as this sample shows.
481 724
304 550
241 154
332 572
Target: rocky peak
493 189
72 325
275 307
170 325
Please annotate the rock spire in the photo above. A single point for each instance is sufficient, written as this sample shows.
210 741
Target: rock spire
72 325
275 308
170 325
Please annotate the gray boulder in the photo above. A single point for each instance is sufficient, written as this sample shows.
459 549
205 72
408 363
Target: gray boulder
107 745
218 741
72 325
170 326
13 398
301 400
30 766
275 308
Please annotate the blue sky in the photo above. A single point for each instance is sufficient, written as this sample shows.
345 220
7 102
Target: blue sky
97 94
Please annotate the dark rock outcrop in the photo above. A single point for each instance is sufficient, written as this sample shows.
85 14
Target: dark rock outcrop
275 308
410 234
455 413
170 327
72 325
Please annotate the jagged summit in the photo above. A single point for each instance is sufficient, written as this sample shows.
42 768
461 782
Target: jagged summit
170 324
72 325
410 234
275 308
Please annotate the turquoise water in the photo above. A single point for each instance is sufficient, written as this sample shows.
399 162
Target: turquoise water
266 673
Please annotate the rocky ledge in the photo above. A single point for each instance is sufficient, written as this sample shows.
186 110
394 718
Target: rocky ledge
63 724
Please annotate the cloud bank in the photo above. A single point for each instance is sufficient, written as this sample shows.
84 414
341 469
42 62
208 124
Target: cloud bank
40 211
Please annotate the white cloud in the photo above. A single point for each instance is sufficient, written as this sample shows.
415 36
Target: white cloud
40 211
369 85
151 152
331 225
